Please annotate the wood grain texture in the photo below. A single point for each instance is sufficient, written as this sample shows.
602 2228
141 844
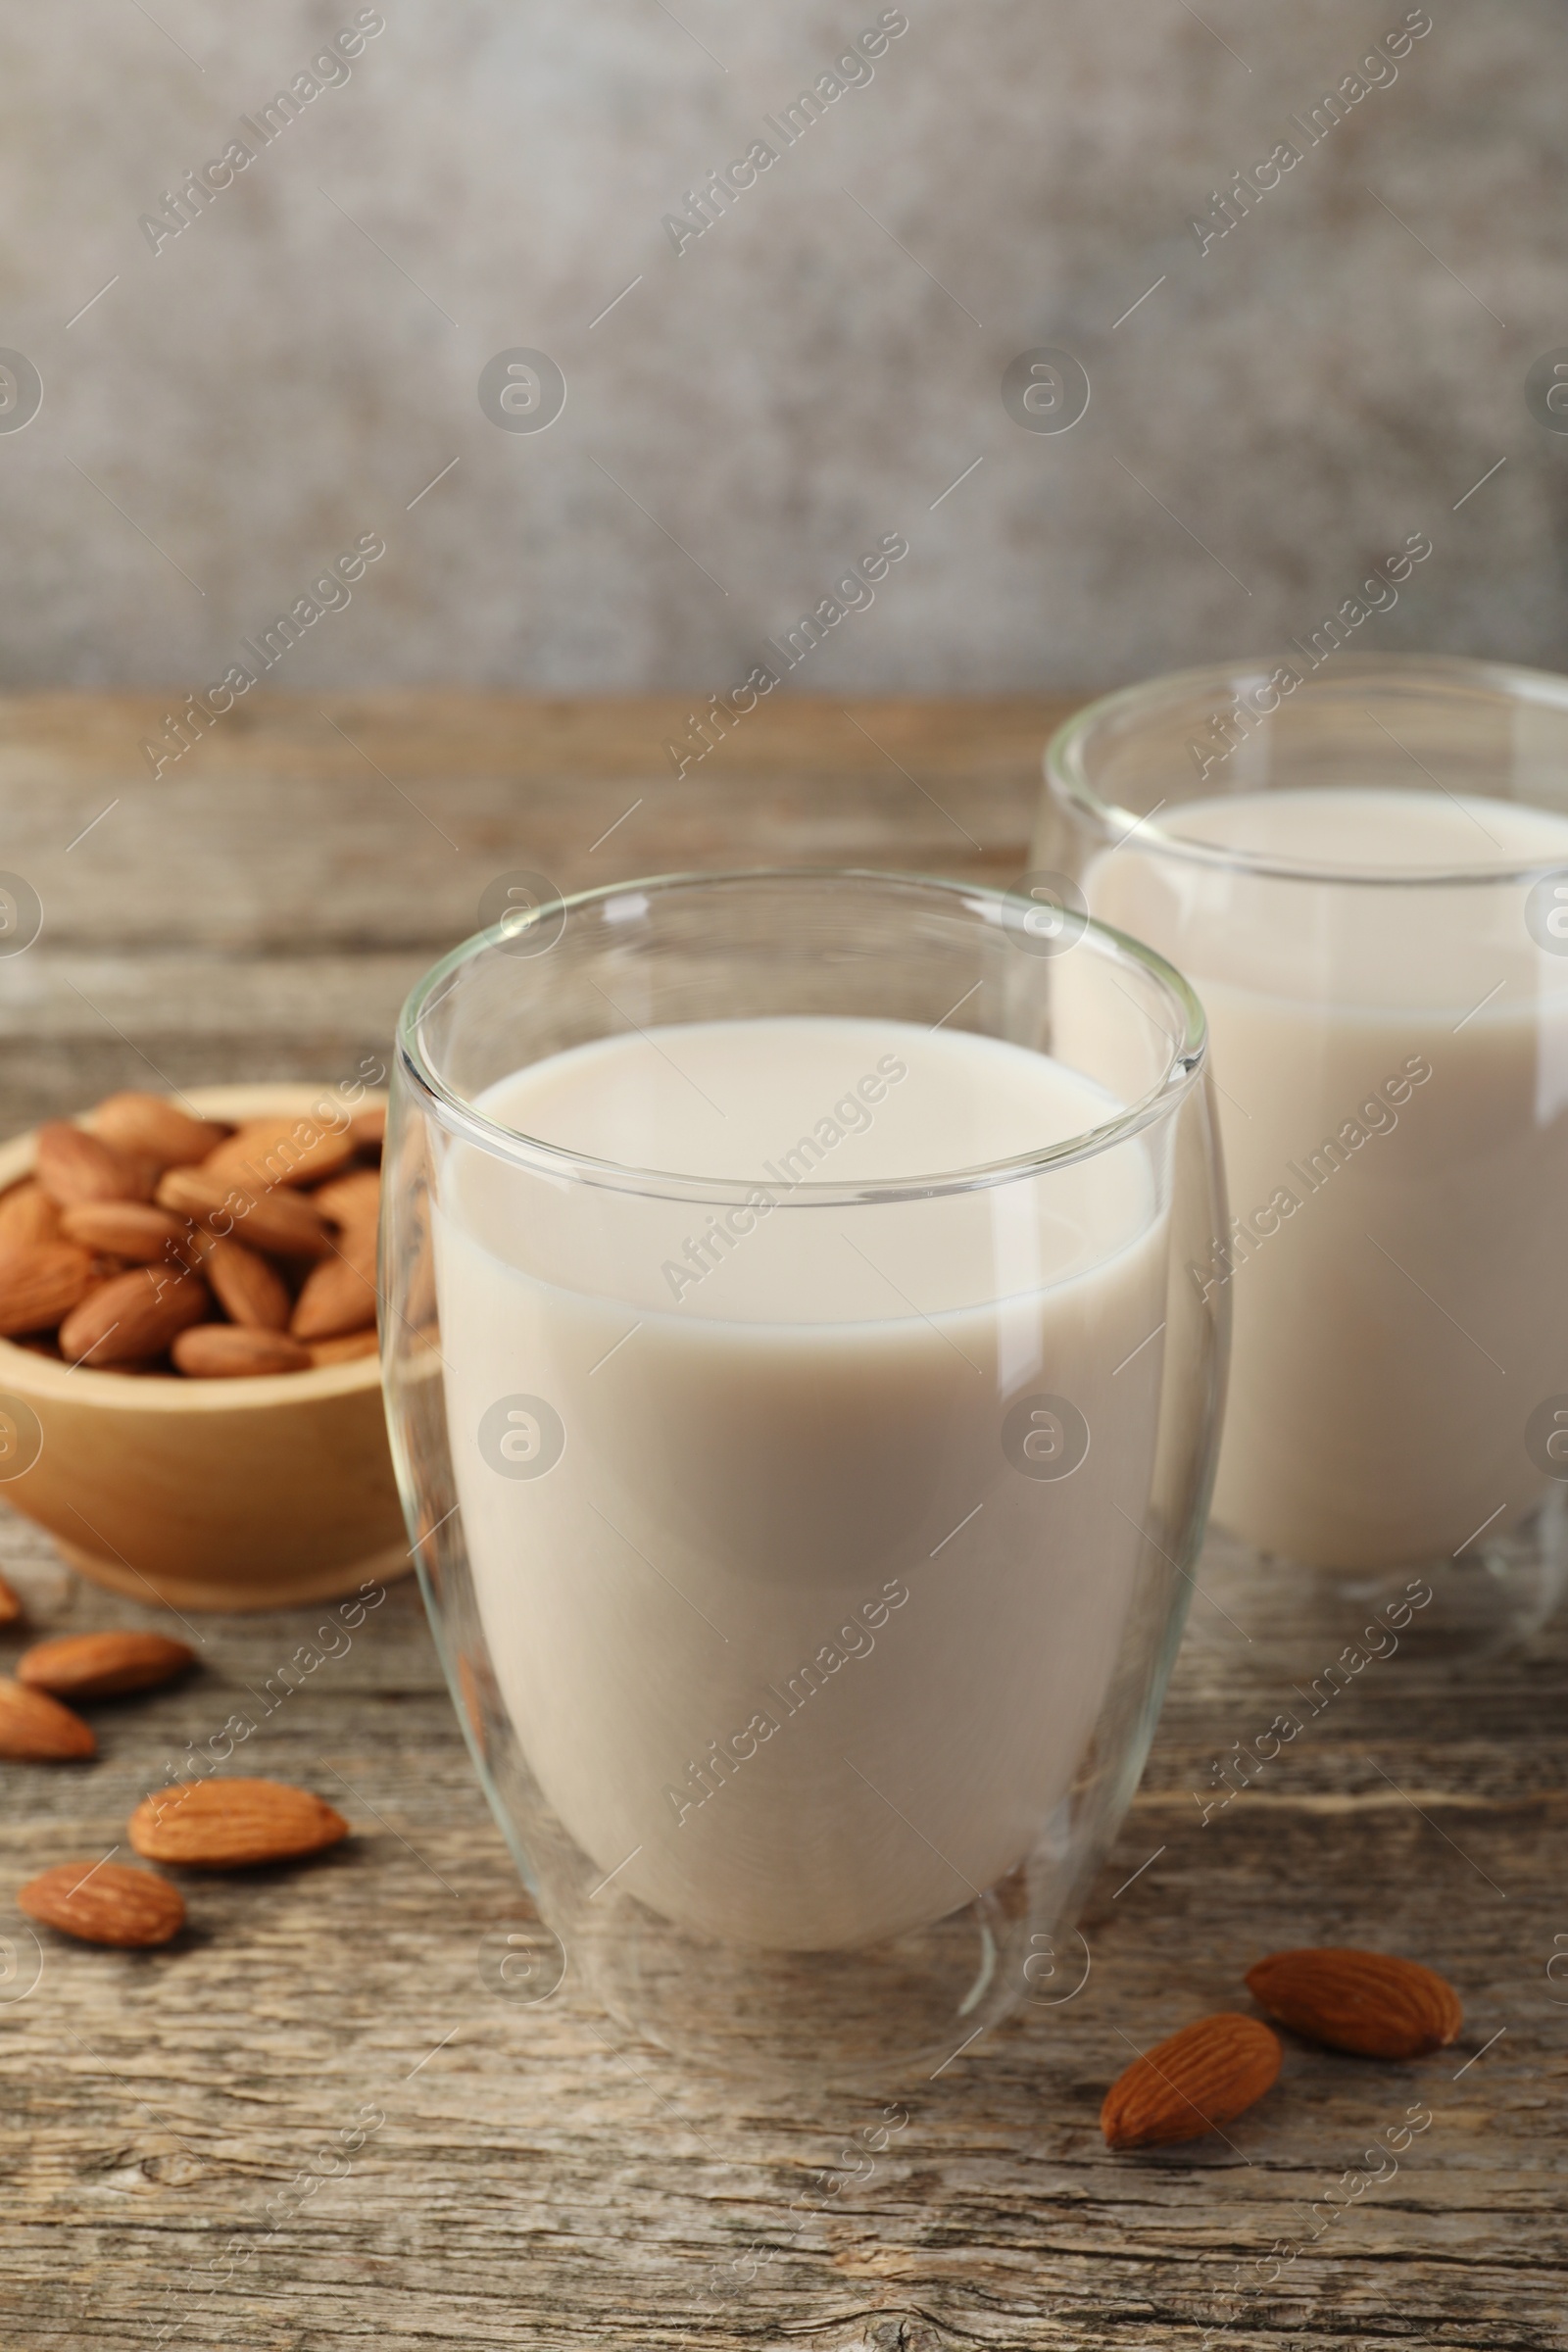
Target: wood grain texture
170 2117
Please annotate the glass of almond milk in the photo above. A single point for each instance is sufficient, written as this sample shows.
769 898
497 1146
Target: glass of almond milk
1363 867
804 1419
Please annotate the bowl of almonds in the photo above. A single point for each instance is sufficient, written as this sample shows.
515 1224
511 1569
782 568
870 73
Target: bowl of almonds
190 1396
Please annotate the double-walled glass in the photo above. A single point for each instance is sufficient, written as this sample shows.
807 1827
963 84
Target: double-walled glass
807 1548
1363 867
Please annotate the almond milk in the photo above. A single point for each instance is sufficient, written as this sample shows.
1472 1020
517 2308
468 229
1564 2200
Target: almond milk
797 1654
1391 1066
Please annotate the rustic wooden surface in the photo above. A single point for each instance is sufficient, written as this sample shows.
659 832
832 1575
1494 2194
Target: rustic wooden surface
537 2180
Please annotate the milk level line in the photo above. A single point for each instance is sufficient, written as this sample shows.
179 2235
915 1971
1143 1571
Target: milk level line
909 1303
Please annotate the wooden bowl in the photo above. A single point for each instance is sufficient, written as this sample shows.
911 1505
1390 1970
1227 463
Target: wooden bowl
209 1494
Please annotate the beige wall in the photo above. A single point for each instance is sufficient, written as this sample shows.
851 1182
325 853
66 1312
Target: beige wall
285 376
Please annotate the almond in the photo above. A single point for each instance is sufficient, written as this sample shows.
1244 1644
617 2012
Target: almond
102 1665
279 1221
152 1127
1183 2088
134 1230
35 1728
28 1215
10 1603
233 1351
137 1314
40 1285
103 1902
339 1294
352 1201
231 1825
368 1128
352 1345
296 1150
73 1166
248 1289
1370 2003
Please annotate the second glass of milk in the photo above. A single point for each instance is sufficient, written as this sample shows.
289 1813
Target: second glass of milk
804 1419
1363 867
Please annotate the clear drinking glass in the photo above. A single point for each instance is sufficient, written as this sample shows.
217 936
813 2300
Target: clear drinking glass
1363 867
807 1548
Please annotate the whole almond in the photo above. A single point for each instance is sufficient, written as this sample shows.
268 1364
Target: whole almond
105 1902
1370 2003
233 1825
339 1294
233 1351
28 1215
10 1603
82 1666
347 1349
152 1127
40 1285
280 1221
73 1166
248 1289
294 1150
137 1314
134 1230
368 1128
354 1200
1183 2088
35 1728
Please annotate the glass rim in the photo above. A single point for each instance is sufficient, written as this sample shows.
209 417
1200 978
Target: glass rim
1068 753
1184 1065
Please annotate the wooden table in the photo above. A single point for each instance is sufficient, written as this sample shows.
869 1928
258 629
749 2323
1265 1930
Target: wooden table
260 910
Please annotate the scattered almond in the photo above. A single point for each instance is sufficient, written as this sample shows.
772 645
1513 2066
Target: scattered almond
277 1220
248 1289
40 1285
289 1149
137 1314
154 1128
134 1230
73 1166
105 1902
10 1603
368 1128
353 1344
1370 2003
28 1215
235 1351
234 1825
1199 2077
35 1728
102 1665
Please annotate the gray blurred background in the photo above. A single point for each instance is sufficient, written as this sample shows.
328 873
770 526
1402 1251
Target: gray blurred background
289 371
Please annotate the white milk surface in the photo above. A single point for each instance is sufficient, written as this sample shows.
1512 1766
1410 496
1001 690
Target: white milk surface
791 1646
1392 1069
